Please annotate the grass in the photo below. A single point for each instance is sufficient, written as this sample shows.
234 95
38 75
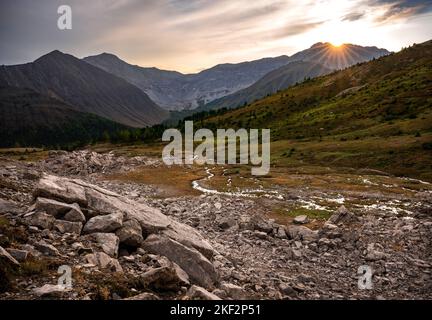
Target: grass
285 215
130 150
311 213
24 154
171 181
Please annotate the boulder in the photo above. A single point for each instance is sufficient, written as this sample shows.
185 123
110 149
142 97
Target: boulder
301 233
261 225
170 278
104 261
233 291
62 189
260 234
374 255
196 265
199 293
342 215
287 290
46 248
226 223
302 219
107 223
108 242
281 234
150 219
63 226
96 200
39 219
19 255
31 250
75 216
7 258
59 209
130 233
50 290
189 237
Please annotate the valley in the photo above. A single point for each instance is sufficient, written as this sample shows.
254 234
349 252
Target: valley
83 183
296 234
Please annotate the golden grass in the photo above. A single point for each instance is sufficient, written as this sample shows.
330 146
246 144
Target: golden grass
171 181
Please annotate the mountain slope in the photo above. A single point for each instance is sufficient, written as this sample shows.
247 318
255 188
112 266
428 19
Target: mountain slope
274 81
376 114
160 85
175 91
28 118
86 88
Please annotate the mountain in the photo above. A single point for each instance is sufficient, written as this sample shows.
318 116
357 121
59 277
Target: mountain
319 59
337 58
375 114
272 82
176 91
85 88
161 86
28 118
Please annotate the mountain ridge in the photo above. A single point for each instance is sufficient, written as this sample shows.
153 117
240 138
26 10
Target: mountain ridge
85 87
176 91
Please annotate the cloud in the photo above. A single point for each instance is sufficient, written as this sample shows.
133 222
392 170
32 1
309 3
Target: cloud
296 29
353 16
193 34
399 9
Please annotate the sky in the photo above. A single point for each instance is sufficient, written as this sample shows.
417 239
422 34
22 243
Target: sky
192 35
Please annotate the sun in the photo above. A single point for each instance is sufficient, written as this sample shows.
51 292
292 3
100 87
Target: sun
337 44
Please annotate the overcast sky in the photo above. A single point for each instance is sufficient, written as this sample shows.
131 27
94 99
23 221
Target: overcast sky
191 35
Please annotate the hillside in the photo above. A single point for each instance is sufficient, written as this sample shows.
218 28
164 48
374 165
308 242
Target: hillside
28 118
85 88
375 114
271 83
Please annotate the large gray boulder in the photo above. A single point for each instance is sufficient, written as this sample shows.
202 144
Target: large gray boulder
342 215
301 233
196 265
97 200
130 233
107 223
39 219
61 189
198 293
59 209
104 261
108 242
170 277
63 226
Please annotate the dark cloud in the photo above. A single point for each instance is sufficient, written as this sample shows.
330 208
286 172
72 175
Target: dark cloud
397 9
353 16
